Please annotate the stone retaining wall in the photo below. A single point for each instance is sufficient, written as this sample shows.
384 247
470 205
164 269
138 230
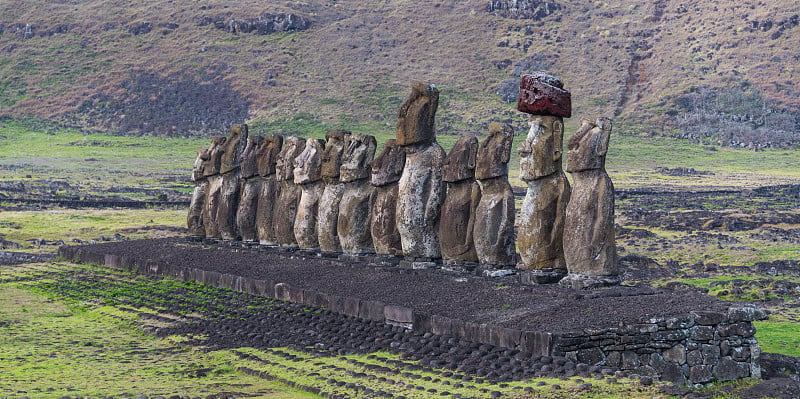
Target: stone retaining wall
694 349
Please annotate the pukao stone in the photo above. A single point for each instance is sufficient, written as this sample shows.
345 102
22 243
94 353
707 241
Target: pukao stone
327 222
589 242
543 94
250 186
421 190
308 175
230 169
463 195
541 225
494 215
386 171
266 160
288 192
356 204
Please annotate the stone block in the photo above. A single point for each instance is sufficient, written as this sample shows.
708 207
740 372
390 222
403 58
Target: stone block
707 318
282 292
746 314
213 278
227 281
509 337
336 304
630 360
542 94
422 322
676 354
614 359
742 329
729 369
351 306
591 356
702 333
669 335
317 299
398 314
679 323
700 374
467 330
441 325
371 310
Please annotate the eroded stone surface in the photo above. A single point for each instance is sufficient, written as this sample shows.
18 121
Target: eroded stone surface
589 242
230 169
308 175
386 171
250 189
211 172
288 192
334 189
494 215
356 204
541 225
415 118
543 94
194 218
458 209
268 196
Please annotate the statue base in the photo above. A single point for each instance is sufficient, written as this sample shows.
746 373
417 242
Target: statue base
586 282
543 276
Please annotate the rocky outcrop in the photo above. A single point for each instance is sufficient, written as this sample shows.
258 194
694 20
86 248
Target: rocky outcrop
263 24
523 9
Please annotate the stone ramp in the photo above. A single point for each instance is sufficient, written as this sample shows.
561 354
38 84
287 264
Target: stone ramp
684 336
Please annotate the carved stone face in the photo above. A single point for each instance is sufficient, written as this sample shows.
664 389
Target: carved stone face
308 165
332 157
284 168
388 166
358 154
203 154
249 157
215 156
540 153
588 147
460 162
415 118
495 152
267 156
234 148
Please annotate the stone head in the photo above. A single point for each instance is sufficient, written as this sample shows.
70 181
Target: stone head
495 152
459 164
250 156
332 157
540 152
234 148
388 166
588 147
284 168
416 117
203 155
308 165
267 156
212 167
357 157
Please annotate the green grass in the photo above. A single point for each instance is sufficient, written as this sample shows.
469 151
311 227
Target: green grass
778 337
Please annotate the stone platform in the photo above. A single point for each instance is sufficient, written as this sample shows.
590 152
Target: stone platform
679 336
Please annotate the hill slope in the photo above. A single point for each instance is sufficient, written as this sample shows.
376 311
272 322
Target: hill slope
179 66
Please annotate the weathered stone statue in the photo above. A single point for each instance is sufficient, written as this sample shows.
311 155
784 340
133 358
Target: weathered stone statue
458 209
541 224
589 244
386 171
194 220
230 164
266 160
328 219
308 175
354 209
289 193
494 216
250 184
421 190
214 195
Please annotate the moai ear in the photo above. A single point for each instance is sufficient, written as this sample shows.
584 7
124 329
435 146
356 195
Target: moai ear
558 140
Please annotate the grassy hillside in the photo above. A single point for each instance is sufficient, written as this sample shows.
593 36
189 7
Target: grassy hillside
173 67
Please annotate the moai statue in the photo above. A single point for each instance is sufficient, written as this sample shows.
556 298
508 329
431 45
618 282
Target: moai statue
266 160
332 195
354 210
230 169
214 195
288 192
421 190
463 195
308 175
194 220
541 224
494 216
386 171
589 244
250 186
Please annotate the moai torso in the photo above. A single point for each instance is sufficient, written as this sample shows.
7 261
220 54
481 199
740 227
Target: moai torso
458 209
266 160
328 219
421 190
230 168
354 210
214 190
386 171
250 185
288 192
589 241
308 175
541 224
194 219
494 215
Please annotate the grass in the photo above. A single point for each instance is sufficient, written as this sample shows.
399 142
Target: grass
778 337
